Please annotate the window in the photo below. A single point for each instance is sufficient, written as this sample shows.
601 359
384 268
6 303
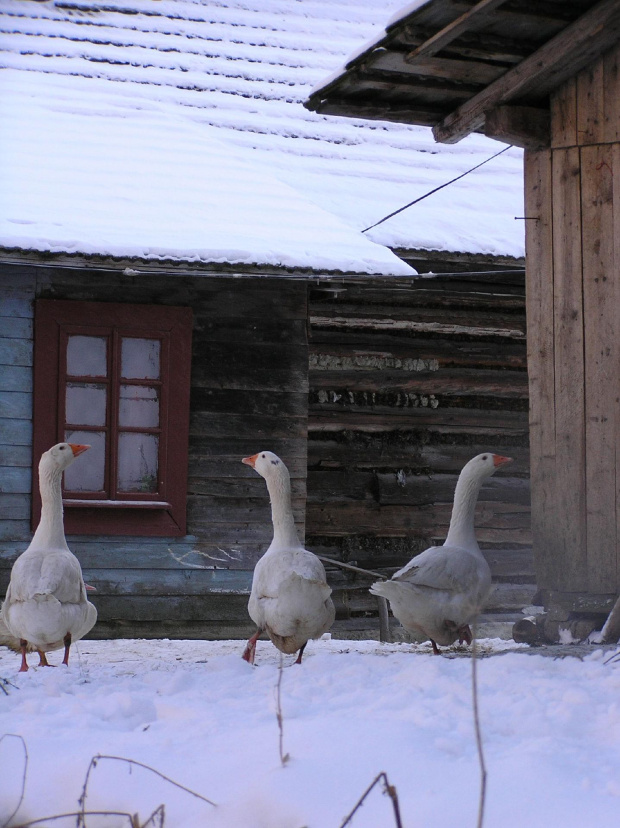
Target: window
116 377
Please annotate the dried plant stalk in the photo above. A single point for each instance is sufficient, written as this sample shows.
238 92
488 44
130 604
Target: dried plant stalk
483 768
284 757
388 789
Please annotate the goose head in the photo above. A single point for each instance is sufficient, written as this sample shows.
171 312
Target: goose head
60 456
484 465
265 463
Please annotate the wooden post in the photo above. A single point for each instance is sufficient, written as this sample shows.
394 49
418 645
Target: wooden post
385 634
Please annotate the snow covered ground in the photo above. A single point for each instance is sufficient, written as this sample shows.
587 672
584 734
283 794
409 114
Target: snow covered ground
194 711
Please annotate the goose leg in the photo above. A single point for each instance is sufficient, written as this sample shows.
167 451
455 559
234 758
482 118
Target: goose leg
465 634
250 647
43 662
301 652
22 646
436 650
67 643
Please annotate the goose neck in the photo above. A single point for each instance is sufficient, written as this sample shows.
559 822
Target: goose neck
50 533
462 532
284 531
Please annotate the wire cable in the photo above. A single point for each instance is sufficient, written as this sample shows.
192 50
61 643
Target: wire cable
441 186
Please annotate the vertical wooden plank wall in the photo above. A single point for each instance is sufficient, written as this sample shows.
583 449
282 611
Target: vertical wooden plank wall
574 190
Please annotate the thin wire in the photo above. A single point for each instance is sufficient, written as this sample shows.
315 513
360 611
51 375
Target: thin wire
441 186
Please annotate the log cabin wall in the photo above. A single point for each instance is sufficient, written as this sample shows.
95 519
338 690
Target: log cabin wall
249 392
407 383
573 286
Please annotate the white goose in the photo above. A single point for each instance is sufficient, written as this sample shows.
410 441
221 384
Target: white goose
46 606
290 598
440 592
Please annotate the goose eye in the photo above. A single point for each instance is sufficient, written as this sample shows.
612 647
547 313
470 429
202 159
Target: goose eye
62 448
485 457
263 456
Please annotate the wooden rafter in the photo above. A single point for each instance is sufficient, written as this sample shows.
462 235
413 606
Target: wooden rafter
521 126
557 60
461 71
457 27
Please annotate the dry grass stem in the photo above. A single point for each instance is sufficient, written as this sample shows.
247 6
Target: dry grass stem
24 774
81 821
388 789
284 757
483 769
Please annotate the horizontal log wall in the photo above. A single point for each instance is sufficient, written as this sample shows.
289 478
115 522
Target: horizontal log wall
249 392
406 385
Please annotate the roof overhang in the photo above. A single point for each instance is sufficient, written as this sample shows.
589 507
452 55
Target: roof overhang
463 66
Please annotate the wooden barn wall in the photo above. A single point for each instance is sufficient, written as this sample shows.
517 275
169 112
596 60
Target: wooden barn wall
573 283
406 385
249 392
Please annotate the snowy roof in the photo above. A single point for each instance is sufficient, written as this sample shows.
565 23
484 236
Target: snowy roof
176 130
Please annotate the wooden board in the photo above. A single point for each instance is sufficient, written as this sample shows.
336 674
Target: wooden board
591 104
611 106
563 104
541 359
616 300
602 358
570 566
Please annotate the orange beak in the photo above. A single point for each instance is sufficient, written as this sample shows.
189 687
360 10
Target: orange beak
250 461
89 587
76 448
498 460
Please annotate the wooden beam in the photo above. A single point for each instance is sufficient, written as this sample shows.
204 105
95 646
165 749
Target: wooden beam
400 113
559 59
459 71
457 27
521 126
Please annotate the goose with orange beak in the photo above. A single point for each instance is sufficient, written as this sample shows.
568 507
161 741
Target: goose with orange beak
46 607
290 599
441 591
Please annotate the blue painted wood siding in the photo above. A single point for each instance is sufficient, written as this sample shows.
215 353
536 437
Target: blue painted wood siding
17 291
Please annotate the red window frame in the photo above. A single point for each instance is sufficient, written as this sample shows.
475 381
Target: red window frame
161 512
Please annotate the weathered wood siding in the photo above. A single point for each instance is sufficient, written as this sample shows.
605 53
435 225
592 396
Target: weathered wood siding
573 282
407 383
16 313
249 392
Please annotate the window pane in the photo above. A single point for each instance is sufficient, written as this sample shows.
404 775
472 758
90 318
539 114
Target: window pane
139 406
85 404
140 358
86 356
87 473
137 462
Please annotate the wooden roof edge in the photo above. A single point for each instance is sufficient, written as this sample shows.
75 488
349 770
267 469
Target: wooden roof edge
559 59
380 45
479 260
497 110
134 267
